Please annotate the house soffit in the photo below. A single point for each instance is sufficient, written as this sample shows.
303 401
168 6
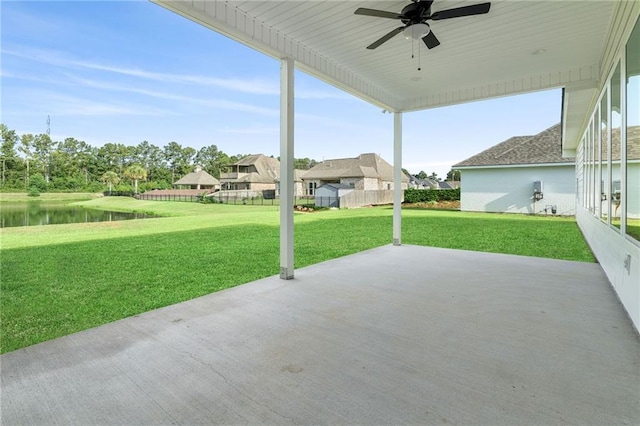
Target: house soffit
519 46
479 57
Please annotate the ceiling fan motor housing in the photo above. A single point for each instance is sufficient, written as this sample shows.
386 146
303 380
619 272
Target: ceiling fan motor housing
415 13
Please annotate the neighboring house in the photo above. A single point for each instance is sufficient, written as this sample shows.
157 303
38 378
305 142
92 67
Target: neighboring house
298 184
198 179
254 172
504 177
428 183
417 183
364 172
448 184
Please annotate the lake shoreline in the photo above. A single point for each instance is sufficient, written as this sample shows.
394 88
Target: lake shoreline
21 197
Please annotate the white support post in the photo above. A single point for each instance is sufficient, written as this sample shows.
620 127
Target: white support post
397 178
286 168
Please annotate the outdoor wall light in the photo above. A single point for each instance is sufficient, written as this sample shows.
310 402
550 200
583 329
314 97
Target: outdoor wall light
537 190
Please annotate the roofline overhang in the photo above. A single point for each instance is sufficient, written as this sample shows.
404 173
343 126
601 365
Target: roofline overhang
278 46
511 166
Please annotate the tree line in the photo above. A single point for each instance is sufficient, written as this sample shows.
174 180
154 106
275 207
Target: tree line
37 162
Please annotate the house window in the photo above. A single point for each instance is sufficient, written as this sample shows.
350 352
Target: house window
605 178
580 174
597 176
311 188
632 164
592 171
616 144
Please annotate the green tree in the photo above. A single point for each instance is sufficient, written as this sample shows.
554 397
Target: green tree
114 156
110 178
72 158
26 148
135 172
42 150
422 175
178 158
8 150
151 158
303 163
212 160
453 175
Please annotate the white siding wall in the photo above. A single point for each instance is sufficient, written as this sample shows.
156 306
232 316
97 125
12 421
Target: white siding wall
510 190
610 247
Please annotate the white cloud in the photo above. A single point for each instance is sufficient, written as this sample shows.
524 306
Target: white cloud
251 85
251 130
68 105
205 102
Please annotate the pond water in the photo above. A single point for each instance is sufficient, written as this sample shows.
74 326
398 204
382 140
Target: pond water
39 213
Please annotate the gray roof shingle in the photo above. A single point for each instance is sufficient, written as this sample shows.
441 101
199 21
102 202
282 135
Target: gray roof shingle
543 148
364 165
199 177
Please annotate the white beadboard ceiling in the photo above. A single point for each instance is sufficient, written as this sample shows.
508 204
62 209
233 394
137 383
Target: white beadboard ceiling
479 57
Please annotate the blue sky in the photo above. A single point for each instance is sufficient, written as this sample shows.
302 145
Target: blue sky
129 71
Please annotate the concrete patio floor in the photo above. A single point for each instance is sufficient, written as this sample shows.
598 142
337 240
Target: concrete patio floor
393 335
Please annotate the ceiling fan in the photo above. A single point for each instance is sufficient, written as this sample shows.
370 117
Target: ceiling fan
415 16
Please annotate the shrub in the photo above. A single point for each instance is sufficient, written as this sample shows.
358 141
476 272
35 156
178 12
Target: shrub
118 194
202 198
93 187
426 195
37 181
33 192
70 183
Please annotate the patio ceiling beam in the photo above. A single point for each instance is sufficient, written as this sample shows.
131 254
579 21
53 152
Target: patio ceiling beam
287 68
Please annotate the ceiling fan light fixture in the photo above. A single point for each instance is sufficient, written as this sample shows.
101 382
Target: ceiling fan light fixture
416 31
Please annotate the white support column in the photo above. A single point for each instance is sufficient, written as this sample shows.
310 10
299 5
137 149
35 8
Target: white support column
286 168
397 178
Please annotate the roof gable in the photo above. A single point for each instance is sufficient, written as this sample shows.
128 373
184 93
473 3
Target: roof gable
267 169
197 178
367 165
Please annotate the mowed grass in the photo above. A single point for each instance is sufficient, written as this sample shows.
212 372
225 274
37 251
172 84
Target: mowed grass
66 278
47 196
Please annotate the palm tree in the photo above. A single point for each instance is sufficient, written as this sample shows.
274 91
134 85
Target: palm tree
110 178
135 172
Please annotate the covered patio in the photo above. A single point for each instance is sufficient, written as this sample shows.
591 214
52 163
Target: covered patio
399 334
393 335
404 56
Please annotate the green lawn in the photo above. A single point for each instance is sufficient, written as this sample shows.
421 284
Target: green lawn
48 196
56 280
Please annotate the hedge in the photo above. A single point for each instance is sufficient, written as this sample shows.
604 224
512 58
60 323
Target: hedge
424 195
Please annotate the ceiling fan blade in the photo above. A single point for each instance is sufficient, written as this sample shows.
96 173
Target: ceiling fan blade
377 13
476 9
430 40
385 38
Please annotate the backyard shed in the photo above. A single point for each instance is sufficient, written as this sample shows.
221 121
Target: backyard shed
328 195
